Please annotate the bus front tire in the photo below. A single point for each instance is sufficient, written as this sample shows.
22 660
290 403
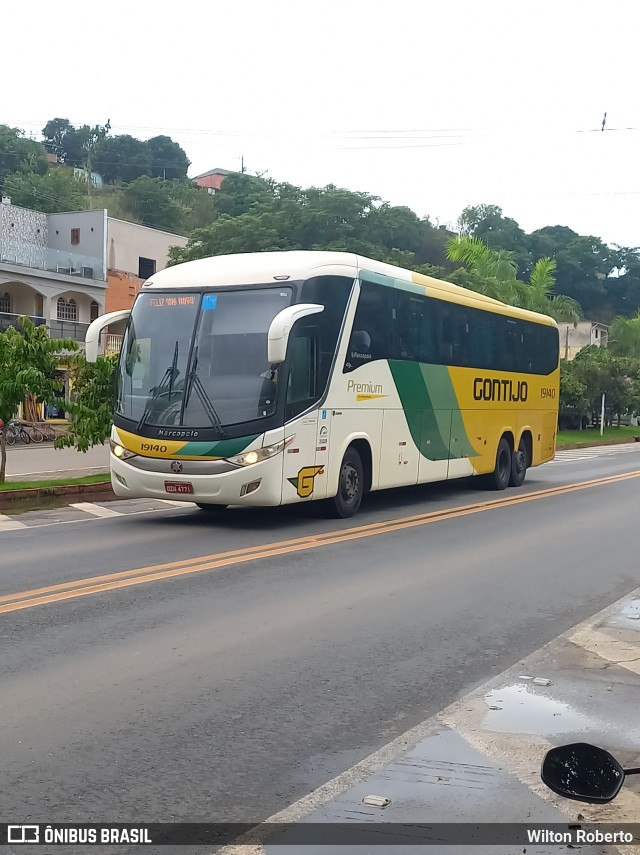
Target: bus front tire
519 464
346 503
501 475
211 509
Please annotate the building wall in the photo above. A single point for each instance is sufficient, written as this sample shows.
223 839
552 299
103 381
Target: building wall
92 226
574 338
23 235
128 242
122 289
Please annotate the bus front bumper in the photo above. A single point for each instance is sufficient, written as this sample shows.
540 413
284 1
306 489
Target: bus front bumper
255 485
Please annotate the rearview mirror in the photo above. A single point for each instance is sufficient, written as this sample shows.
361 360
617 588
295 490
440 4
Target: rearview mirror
92 336
280 329
583 772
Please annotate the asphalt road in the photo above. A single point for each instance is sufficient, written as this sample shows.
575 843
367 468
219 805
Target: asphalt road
227 693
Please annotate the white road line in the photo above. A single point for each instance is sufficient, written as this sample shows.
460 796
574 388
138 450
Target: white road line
174 503
96 510
516 753
10 524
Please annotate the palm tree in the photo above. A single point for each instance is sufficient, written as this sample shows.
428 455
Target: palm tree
494 273
538 295
476 255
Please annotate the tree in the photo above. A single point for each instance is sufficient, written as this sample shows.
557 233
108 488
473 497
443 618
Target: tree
53 192
240 192
624 336
121 158
54 134
247 233
19 154
92 402
583 264
471 217
488 223
197 207
575 398
167 159
622 288
28 364
150 202
74 146
614 376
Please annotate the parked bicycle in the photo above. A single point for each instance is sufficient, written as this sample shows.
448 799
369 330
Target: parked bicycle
17 431
47 431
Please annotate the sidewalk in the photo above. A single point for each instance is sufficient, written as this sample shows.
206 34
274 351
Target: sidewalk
478 761
46 463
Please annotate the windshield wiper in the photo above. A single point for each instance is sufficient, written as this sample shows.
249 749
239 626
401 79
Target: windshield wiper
194 382
165 385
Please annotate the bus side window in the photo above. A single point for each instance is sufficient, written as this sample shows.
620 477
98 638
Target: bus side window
375 316
413 338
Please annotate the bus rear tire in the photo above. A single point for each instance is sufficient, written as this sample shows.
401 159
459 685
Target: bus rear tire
501 475
211 509
346 503
519 464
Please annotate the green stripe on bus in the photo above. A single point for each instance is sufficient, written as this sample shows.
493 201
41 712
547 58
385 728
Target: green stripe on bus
222 448
419 410
431 409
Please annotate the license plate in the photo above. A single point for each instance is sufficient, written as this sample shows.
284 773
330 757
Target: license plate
178 487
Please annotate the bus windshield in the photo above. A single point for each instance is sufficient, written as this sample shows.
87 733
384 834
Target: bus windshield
199 359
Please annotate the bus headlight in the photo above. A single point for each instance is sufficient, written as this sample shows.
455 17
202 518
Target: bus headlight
120 451
248 458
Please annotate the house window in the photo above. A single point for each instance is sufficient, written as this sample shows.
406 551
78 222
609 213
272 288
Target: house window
95 311
5 303
146 267
75 236
67 309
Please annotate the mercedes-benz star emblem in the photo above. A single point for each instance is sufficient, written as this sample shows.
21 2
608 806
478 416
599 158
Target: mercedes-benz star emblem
176 466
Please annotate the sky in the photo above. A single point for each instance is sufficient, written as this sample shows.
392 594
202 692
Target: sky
431 105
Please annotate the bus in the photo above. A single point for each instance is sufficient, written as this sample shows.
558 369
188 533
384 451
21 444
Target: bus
275 378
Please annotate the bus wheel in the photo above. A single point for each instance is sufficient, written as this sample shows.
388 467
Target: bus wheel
350 487
211 509
499 478
519 462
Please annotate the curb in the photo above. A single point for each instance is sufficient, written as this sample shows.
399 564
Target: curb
9 497
625 441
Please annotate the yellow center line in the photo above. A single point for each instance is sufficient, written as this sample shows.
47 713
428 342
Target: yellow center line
127 578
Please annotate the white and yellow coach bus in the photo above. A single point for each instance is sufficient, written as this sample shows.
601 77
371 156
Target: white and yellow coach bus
274 378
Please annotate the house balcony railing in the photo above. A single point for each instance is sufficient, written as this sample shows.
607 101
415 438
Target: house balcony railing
54 261
9 319
68 329
112 344
57 329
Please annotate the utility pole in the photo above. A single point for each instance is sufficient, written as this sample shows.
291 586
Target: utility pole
242 165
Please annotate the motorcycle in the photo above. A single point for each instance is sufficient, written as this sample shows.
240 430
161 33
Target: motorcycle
584 772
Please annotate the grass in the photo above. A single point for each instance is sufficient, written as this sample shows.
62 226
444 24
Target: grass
65 482
592 435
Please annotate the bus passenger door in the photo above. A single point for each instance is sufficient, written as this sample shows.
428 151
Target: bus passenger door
303 473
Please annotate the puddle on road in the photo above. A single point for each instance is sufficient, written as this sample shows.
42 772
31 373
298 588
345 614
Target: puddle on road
519 709
631 611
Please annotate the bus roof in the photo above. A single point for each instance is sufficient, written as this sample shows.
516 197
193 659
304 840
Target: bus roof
260 268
